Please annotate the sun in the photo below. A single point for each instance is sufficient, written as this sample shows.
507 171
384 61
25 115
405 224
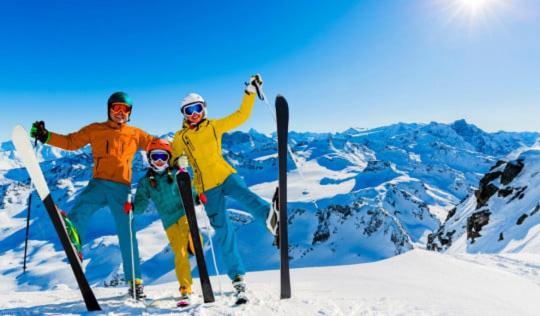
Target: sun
474 7
473 12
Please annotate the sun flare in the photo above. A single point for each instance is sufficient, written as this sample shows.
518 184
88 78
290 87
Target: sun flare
473 12
474 7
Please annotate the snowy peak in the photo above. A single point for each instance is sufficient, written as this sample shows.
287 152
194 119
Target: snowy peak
501 215
465 129
494 143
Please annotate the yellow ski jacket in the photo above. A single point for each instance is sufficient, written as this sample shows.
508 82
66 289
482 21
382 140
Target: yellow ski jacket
202 146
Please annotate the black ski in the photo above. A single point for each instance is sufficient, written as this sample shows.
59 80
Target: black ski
26 153
184 184
282 118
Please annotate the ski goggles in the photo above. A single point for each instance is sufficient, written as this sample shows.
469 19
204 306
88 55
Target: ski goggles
120 107
193 108
159 155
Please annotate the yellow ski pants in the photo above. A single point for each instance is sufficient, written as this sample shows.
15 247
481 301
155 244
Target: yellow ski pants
178 234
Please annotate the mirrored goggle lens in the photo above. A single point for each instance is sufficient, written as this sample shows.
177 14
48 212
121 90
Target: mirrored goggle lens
159 156
120 107
193 108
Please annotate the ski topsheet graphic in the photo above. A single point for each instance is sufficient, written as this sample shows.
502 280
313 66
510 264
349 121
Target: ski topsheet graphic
282 119
26 154
184 184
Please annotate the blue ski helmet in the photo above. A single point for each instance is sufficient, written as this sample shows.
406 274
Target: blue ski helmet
118 97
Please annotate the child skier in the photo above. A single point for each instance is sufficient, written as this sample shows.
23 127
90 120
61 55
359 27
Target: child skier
215 179
114 144
160 186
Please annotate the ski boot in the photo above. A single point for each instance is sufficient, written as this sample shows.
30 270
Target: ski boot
184 300
73 234
240 290
139 290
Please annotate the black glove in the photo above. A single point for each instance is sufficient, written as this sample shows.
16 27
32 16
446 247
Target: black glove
39 132
254 85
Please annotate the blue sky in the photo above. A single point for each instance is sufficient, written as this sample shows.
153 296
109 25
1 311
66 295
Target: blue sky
339 63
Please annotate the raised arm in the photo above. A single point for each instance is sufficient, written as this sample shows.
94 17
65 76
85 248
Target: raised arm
239 117
71 141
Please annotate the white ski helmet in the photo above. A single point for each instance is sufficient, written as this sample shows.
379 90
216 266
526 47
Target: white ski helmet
190 99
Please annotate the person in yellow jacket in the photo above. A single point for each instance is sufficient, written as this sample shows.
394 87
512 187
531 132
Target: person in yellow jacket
114 144
214 179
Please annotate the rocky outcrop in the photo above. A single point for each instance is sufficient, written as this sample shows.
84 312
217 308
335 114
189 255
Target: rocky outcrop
487 186
473 214
475 223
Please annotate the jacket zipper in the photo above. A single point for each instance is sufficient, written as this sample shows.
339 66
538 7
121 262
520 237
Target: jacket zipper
216 137
188 146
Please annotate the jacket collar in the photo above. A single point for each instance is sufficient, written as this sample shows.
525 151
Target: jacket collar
112 124
196 127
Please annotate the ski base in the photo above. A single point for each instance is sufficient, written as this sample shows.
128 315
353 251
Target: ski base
282 120
184 185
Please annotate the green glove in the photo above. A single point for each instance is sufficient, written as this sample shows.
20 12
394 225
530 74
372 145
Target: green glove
39 132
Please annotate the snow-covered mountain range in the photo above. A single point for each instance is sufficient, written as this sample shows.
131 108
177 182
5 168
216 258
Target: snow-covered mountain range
358 196
501 215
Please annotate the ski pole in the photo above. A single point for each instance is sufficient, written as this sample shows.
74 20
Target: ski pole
134 295
28 218
27 227
212 249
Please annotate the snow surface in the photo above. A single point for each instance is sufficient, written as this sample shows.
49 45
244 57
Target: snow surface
415 283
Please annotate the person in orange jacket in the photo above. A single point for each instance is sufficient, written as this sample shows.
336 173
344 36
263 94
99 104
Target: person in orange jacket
114 144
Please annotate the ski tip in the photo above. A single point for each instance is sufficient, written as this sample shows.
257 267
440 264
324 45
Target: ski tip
18 130
281 101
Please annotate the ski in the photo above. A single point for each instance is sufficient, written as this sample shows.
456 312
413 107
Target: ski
282 119
26 153
184 184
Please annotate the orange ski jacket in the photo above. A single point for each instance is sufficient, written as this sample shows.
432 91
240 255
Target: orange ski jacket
113 147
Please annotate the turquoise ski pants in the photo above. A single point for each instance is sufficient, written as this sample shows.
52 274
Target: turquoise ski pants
103 193
233 187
